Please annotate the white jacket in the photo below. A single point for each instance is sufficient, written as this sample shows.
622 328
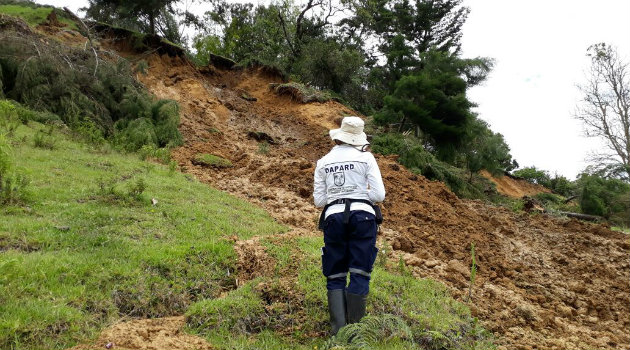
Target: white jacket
346 172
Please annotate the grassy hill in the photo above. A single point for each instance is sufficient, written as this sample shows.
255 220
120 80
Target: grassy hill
86 245
96 236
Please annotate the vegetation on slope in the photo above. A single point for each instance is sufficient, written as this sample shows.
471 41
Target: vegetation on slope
34 14
85 246
288 309
96 95
96 235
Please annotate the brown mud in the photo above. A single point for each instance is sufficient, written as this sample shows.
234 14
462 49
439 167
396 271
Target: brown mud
515 188
543 282
152 334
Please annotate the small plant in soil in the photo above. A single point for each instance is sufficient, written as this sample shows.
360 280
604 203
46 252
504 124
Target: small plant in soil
211 160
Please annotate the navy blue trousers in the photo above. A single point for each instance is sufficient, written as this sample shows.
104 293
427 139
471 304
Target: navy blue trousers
349 248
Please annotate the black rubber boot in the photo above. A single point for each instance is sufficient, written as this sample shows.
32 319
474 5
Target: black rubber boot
337 309
355 306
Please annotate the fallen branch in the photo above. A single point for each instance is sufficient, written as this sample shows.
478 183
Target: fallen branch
582 216
570 199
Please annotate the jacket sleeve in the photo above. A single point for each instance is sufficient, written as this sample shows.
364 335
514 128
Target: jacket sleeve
319 187
376 191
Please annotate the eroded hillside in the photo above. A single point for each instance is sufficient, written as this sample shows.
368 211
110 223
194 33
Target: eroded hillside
543 282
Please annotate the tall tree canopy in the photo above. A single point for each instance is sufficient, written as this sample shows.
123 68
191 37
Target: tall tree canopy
143 15
605 109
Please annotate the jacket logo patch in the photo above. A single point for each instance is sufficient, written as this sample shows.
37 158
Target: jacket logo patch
340 179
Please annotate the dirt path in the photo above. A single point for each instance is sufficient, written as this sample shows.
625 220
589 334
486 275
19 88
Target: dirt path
542 282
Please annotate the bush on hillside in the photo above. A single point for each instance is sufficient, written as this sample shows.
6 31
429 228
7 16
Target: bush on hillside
558 183
83 90
12 181
609 198
413 155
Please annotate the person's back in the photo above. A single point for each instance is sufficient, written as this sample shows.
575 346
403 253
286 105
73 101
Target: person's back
347 183
347 172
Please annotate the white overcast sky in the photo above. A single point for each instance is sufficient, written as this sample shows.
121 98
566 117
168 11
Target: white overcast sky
539 47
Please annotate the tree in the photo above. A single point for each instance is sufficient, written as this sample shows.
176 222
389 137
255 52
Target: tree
487 150
397 33
604 197
137 11
605 108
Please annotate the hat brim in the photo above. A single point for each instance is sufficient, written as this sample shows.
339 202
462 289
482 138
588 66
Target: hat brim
351 139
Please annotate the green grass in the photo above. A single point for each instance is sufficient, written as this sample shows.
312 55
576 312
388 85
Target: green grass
276 313
35 16
86 246
621 229
212 160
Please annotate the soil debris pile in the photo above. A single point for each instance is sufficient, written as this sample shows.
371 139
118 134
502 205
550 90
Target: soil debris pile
150 334
542 281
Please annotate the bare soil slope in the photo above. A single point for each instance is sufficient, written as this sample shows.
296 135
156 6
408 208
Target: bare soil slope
542 282
515 188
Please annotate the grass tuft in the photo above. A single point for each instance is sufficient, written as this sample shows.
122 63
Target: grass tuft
211 160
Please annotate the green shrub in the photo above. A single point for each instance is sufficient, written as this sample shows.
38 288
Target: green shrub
301 92
163 155
130 194
12 182
207 159
535 176
43 139
609 198
103 101
371 330
413 155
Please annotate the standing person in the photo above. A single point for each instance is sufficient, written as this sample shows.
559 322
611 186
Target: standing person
347 184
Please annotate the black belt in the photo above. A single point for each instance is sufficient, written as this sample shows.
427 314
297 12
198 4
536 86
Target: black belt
346 212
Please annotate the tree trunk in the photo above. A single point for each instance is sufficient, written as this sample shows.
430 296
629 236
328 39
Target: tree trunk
582 216
152 22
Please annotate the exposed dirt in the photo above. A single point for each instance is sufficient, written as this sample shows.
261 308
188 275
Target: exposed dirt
542 282
153 334
515 188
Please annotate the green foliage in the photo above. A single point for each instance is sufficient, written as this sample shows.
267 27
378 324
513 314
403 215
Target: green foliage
131 194
99 102
413 155
484 149
534 175
435 103
139 15
404 312
301 92
163 155
13 182
263 148
371 330
558 183
211 160
609 198
473 270
44 139
327 64
34 14
73 263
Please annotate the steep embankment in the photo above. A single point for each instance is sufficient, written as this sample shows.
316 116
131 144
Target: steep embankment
514 187
542 282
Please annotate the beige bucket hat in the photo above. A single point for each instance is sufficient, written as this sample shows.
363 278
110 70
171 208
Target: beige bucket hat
351 132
